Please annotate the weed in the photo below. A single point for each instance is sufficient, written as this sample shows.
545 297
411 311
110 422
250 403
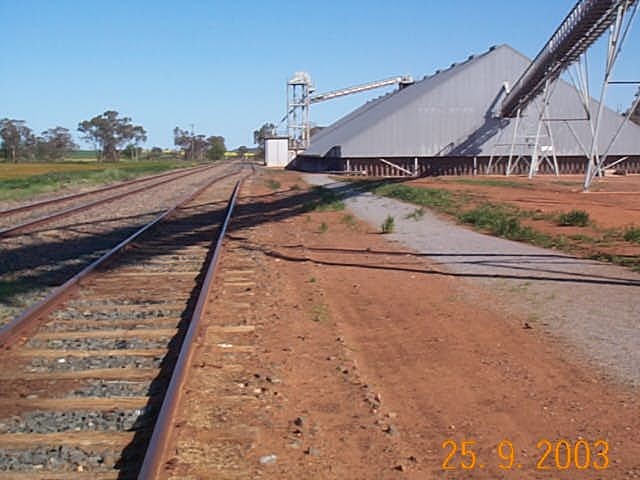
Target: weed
630 261
349 220
295 186
329 201
272 184
312 280
416 215
323 228
437 198
574 218
319 313
632 234
388 225
504 221
579 237
497 219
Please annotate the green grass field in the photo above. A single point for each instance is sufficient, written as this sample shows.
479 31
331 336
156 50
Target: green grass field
25 180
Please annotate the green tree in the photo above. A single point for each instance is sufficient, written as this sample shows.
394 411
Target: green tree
264 131
193 146
109 132
155 153
18 140
217 148
55 144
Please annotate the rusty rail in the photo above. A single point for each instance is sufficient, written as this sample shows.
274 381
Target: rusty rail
158 443
19 327
72 196
68 211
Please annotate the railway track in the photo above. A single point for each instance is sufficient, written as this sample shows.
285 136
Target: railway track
22 219
88 367
33 263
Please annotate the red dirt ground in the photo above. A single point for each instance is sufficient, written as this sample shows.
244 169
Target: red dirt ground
363 362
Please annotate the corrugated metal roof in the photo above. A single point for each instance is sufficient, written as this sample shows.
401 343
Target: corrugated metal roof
454 112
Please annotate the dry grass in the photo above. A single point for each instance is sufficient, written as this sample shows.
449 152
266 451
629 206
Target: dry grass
22 170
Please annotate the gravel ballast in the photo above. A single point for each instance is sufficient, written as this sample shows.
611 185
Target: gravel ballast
76 421
70 363
103 389
60 458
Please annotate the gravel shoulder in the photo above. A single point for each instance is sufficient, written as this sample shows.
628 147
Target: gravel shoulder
593 307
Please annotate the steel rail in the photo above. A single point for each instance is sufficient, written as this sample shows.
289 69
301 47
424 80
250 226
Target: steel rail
158 444
14 331
12 231
72 196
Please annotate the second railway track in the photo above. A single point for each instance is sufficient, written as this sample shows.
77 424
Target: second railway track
21 219
85 376
30 265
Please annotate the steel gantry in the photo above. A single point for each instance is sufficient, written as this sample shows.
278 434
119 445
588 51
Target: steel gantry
300 98
568 46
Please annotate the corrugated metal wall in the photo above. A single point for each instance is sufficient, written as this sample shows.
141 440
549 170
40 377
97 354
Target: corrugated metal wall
435 166
453 114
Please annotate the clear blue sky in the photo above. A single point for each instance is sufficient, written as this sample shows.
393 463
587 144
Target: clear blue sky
223 65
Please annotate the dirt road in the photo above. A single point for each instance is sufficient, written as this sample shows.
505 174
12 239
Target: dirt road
362 360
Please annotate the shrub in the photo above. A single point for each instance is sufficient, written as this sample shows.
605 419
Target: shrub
388 225
329 201
428 197
574 218
632 234
273 184
349 220
323 227
494 218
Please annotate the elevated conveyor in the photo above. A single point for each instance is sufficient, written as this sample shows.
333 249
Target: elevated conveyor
586 22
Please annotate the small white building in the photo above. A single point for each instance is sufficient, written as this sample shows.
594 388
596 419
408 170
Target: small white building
276 151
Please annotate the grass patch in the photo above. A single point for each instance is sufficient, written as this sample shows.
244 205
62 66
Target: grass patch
272 184
349 220
27 184
323 228
312 280
436 198
295 186
579 237
574 218
497 219
629 261
504 221
388 225
493 182
416 215
327 201
632 234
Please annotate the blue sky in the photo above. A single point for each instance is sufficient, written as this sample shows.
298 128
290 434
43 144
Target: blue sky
223 65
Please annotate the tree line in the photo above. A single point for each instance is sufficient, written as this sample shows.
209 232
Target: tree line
111 135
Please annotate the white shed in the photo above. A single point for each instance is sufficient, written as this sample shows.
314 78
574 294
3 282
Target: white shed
276 151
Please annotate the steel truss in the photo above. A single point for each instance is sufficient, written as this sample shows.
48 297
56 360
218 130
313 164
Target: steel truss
596 161
526 146
300 98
